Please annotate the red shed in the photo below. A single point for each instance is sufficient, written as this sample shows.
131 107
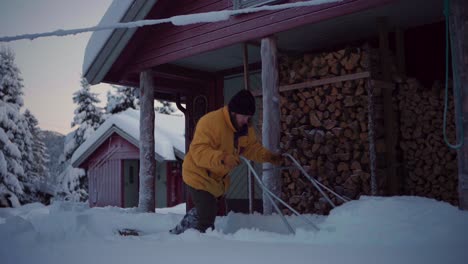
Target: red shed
111 160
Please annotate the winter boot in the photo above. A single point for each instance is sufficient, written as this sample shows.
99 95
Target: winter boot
190 220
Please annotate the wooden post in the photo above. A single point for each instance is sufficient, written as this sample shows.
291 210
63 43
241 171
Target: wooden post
394 184
459 45
400 50
146 201
371 136
271 117
246 67
251 180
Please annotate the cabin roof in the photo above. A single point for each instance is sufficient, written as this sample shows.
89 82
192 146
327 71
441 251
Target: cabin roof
169 135
328 24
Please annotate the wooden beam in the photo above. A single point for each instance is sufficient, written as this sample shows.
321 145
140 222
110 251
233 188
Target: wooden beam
459 45
147 196
394 182
400 50
250 178
371 136
246 66
321 82
171 83
240 69
271 116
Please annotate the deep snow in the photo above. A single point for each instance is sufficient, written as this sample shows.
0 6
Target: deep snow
370 230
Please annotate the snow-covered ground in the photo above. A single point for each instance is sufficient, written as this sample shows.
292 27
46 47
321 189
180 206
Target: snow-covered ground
371 230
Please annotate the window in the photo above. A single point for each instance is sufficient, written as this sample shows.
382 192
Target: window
131 175
239 4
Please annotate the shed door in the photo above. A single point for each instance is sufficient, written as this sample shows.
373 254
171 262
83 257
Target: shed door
131 183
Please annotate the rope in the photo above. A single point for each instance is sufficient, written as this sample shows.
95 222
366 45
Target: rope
272 195
456 85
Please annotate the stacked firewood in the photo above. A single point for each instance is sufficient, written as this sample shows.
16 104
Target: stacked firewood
430 165
326 128
319 66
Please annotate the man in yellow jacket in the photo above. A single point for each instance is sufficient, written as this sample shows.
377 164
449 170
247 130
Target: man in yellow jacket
220 137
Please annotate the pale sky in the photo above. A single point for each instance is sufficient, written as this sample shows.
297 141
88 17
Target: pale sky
51 67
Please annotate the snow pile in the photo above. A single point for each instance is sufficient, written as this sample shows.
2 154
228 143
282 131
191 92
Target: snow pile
397 221
371 230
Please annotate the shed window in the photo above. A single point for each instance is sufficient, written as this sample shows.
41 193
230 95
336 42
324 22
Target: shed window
131 176
239 4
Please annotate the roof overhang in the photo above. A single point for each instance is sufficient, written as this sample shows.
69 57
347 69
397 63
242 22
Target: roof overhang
117 41
82 158
321 35
309 37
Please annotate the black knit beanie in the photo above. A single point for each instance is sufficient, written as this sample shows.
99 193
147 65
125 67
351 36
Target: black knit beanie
242 103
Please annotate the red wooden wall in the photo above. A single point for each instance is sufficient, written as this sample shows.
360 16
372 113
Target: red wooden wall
166 43
175 189
104 168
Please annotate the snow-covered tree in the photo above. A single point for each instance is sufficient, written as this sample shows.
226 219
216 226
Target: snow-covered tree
36 158
165 108
24 141
124 98
73 185
11 91
87 118
54 143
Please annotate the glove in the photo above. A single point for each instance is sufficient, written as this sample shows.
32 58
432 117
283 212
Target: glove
276 158
229 161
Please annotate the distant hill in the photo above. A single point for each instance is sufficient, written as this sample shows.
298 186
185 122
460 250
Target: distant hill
54 142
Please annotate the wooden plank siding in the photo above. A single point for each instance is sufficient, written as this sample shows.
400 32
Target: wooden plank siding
169 43
105 170
104 186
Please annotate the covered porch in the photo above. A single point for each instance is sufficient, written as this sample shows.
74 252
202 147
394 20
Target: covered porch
201 65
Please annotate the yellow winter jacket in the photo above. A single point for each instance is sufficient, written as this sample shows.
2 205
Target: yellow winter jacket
202 168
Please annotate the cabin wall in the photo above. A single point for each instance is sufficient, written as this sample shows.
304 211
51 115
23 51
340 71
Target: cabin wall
175 185
105 184
161 184
104 168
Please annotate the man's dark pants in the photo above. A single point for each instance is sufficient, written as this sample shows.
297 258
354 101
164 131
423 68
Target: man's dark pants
206 205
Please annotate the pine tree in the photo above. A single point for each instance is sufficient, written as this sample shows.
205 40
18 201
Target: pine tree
166 108
11 164
125 98
37 171
88 116
24 141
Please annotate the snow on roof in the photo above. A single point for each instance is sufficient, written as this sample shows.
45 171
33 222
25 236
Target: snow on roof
114 14
169 134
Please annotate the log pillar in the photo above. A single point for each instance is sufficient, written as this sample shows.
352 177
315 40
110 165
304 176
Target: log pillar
459 44
271 117
146 202
251 179
400 50
393 180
